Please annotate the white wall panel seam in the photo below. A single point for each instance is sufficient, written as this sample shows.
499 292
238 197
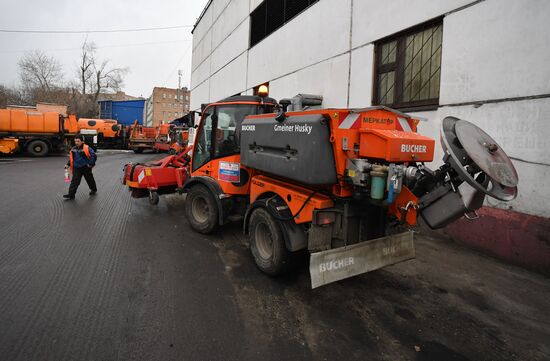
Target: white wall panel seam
220 69
350 52
216 20
463 7
221 42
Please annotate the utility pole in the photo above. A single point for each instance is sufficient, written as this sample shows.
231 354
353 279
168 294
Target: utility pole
180 73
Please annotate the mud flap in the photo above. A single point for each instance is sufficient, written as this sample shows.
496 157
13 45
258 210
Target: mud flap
344 262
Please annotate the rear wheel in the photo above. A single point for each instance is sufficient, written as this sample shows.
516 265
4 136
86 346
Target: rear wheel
38 148
201 209
138 150
267 243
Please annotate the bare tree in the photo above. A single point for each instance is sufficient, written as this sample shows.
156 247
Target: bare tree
40 71
86 65
7 96
108 79
93 78
42 81
97 76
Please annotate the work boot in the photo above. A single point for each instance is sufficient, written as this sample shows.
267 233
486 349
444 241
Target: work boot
93 193
68 196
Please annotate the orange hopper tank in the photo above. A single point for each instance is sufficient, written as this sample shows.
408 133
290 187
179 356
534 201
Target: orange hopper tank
22 121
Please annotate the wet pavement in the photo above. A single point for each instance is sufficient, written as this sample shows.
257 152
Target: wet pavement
113 278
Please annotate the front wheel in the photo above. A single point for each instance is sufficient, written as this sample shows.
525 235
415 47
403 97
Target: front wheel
153 198
267 243
138 150
201 209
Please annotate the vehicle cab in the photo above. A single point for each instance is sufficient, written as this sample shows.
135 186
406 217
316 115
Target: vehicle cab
216 149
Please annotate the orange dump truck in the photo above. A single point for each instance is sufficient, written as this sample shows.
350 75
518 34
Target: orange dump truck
171 138
142 138
36 133
163 139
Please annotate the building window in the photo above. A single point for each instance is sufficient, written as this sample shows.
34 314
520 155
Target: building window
272 14
408 68
163 95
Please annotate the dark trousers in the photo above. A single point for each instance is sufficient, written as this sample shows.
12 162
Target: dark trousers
78 173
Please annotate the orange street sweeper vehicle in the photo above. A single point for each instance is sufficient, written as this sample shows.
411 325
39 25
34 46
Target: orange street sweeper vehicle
344 185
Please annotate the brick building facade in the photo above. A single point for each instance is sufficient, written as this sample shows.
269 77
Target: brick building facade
165 105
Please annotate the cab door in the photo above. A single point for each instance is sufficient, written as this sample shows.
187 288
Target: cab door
217 147
202 149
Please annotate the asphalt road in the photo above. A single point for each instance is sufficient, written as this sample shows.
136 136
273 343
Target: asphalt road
114 278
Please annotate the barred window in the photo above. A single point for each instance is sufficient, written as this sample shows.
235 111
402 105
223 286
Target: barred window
408 68
272 14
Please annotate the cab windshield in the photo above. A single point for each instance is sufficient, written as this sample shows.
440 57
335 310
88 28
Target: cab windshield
221 127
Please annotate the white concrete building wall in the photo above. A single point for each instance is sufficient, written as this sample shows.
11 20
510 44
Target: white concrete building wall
234 13
494 67
229 80
309 38
332 85
374 19
234 45
494 50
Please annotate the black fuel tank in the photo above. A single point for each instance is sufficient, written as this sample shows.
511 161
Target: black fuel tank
298 148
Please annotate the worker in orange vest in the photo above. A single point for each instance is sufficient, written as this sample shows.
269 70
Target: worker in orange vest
81 161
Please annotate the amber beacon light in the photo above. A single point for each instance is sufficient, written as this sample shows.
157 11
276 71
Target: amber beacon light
263 91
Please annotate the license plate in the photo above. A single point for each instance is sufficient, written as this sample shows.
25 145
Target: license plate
344 262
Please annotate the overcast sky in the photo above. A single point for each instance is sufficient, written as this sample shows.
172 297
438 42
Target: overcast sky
153 57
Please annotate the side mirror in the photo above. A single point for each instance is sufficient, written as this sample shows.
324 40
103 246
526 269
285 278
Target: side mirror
281 115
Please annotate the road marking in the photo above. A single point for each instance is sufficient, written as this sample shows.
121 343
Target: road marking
10 161
114 151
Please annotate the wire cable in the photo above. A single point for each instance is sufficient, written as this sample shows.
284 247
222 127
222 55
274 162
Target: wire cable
530 161
278 217
99 47
92 31
177 64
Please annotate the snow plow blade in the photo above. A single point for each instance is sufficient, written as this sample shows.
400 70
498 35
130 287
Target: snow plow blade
344 262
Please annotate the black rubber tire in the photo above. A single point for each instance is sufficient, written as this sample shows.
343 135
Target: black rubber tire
138 150
38 148
153 198
201 209
273 259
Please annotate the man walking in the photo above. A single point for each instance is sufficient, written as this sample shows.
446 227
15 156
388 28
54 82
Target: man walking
81 160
